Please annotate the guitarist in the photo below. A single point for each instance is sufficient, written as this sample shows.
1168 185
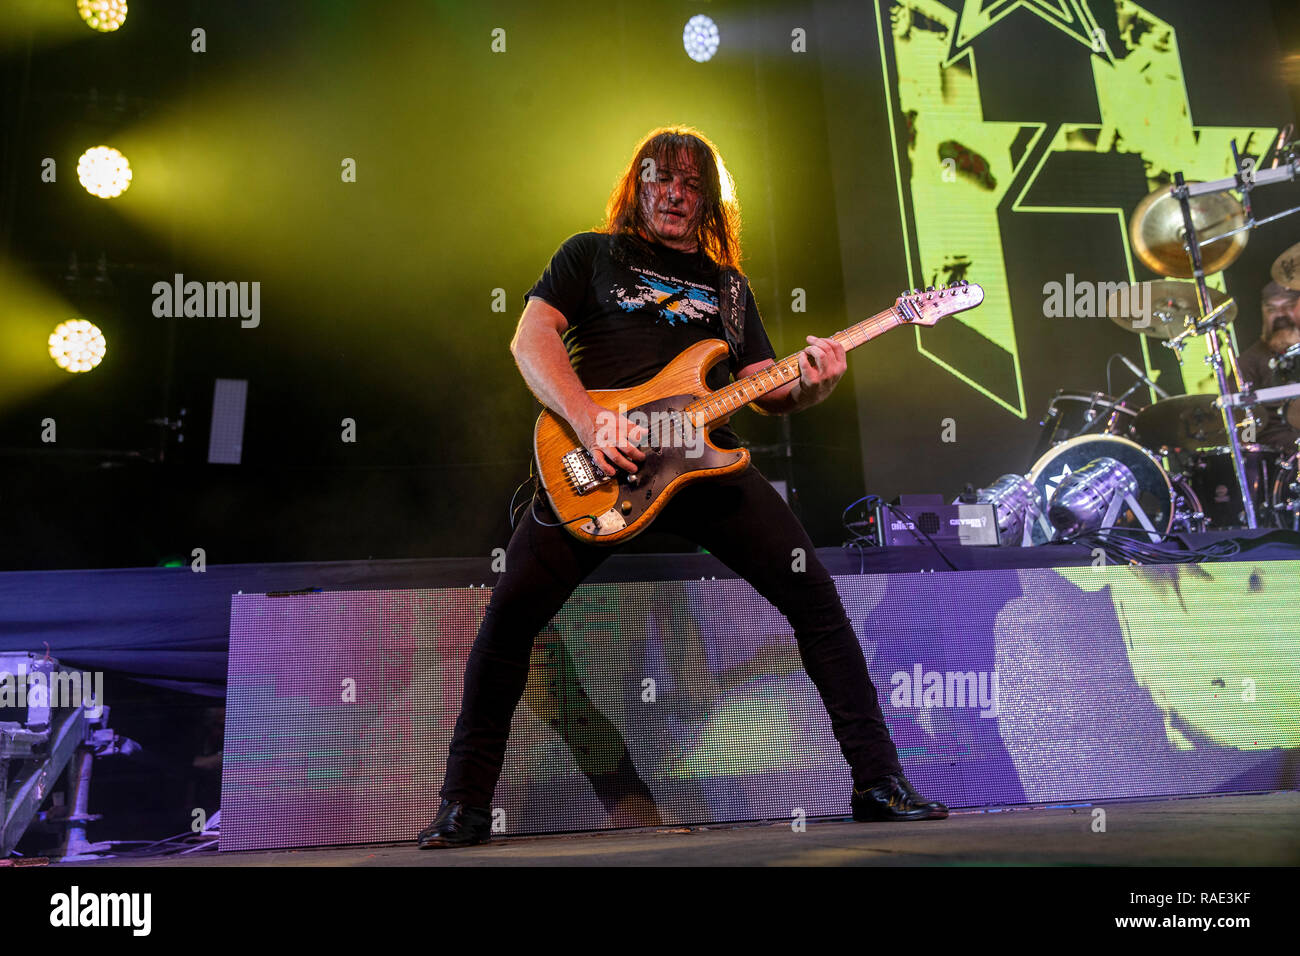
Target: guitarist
610 311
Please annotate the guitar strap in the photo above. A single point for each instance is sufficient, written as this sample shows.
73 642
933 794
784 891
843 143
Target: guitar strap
733 302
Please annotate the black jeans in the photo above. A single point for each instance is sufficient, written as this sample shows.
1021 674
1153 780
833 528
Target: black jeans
742 521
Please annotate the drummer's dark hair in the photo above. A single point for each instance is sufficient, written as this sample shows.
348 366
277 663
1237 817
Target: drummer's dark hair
1276 290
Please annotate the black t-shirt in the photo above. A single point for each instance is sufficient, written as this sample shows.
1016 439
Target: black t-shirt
633 306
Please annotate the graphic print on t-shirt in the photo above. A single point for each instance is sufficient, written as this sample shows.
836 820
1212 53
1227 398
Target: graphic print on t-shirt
675 300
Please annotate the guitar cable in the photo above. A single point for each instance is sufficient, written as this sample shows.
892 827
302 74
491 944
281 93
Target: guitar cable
514 511
531 504
555 524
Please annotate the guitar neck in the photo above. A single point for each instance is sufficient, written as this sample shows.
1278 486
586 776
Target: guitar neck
725 401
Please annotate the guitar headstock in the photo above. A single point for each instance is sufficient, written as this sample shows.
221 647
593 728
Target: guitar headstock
928 306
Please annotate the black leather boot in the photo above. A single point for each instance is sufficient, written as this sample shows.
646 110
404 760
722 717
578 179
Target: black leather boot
893 798
457 825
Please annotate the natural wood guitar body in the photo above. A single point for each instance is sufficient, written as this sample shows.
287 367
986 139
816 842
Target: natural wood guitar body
617 510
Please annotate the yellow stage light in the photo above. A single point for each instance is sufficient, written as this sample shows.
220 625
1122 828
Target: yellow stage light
102 15
104 172
77 346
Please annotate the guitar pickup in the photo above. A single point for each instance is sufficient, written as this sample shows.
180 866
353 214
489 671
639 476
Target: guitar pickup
582 471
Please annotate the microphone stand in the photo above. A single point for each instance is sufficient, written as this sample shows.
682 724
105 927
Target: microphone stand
1096 416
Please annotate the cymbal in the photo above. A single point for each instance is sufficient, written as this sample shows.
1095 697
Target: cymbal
1181 423
1286 268
1157 232
1173 301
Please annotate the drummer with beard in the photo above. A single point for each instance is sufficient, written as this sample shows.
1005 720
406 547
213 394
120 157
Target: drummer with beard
1279 332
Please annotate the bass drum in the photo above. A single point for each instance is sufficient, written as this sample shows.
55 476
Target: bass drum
1168 503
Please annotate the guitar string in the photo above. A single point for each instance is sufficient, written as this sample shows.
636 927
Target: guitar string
728 399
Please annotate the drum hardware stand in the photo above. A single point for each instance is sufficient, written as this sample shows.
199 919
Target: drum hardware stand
1178 342
1209 324
1243 182
1263 396
1027 533
1286 509
1096 416
1186 518
1182 194
1211 320
1267 177
1112 514
1267 396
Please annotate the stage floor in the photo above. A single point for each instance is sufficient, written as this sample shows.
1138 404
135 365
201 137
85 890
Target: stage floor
1233 830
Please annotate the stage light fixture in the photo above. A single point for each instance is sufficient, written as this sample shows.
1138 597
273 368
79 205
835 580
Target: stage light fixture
1016 502
1092 497
102 15
104 172
700 38
77 345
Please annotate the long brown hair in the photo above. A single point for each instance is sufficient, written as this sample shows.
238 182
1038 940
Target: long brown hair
718 232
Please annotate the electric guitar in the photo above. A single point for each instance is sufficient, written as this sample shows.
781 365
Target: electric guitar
678 410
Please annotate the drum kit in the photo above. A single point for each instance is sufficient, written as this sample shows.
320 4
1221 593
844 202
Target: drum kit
1182 463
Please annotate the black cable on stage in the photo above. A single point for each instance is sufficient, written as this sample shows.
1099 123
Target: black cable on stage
1134 546
857 539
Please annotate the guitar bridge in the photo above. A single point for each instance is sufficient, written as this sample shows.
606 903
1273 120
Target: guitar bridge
581 470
